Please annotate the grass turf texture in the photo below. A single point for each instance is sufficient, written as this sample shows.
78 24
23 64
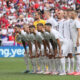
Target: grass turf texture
12 69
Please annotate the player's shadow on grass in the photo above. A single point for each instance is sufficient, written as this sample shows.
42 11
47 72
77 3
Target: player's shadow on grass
15 73
11 73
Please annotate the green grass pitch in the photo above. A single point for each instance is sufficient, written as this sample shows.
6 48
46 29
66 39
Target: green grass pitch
12 69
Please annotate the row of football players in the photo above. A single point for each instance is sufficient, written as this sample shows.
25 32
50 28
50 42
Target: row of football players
52 51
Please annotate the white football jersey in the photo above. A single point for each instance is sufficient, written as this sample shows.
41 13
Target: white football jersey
60 26
27 37
54 35
66 29
53 22
31 38
74 26
38 37
23 34
46 35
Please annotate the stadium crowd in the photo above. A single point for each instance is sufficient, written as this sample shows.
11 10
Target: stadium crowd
21 12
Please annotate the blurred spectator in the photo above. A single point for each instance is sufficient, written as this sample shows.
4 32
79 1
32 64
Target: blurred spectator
4 34
22 12
38 19
10 33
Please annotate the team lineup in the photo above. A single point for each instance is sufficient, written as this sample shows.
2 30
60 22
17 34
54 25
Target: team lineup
53 46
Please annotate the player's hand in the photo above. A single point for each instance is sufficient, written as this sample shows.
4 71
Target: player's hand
40 53
54 56
25 52
30 52
50 51
60 56
77 43
50 56
60 53
47 55
31 57
37 56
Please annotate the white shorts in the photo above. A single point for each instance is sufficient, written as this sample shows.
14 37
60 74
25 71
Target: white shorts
70 46
65 47
28 49
33 50
51 48
42 49
78 49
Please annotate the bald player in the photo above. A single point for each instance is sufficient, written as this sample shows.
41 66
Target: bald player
67 35
61 21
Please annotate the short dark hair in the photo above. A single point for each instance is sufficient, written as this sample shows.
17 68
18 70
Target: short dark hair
18 26
40 24
39 13
48 24
31 26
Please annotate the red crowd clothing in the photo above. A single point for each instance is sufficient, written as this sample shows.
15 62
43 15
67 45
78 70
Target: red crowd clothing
14 1
11 38
36 6
57 5
64 7
5 22
78 1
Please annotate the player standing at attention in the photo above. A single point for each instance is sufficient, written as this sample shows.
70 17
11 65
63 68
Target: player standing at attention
75 32
61 20
67 35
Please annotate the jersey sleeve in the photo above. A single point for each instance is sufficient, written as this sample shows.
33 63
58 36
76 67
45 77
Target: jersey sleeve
55 22
41 36
55 34
23 33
